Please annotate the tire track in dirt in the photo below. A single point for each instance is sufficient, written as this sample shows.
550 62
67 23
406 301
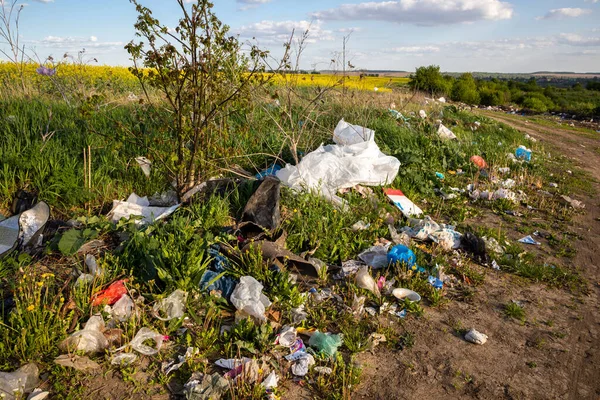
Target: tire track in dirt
584 350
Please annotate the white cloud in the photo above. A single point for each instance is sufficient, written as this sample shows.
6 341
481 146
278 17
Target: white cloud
560 13
415 49
93 39
251 3
573 39
277 32
70 44
44 1
592 1
421 12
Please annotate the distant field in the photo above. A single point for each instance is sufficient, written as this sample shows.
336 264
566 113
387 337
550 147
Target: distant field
353 82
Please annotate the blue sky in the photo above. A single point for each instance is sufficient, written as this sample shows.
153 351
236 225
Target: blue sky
458 35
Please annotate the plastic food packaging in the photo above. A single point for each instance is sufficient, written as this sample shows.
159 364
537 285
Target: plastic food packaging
111 294
475 337
404 204
270 381
375 256
325 343
14 384
123 308
365 280
80 363
402 254
301 366
248 298
172 307
88 340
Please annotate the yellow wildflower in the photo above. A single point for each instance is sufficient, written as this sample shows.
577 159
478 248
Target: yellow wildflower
40 283
31 307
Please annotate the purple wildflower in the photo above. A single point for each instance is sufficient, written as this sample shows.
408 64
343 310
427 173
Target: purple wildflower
46 71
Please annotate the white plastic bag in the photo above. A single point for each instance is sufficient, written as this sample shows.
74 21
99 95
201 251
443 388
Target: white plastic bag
89 340
445 133
248 298
333 167
375 256
287 336
147 334
422 114
270 381
172 307
139 206
123 308
365 280
19 382
347 134
124 359
300 368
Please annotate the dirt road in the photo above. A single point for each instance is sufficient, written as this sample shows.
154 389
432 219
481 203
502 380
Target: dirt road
555 354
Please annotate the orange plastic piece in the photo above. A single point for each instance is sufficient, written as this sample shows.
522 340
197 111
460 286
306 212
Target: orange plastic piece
111 294
479 162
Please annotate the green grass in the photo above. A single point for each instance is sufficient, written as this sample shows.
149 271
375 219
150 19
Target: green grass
513 310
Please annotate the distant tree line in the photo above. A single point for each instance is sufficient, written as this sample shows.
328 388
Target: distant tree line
496 92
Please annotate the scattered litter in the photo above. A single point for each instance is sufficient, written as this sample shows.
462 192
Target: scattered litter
375 339
442 100
298 314
23 201
270 381
445 133
80 363
364 280
231 363
325 343
301 366
475 245
171 307
408 208
553 185
323 370
206 387
401 294
529 240
124 359
375 256
495 265
38 394
214 277
435 282
354 160
402 254
270 171
523 153
572 202
508 183
144 335
9 234
145 165
92 265
136 206
123 309
88 340
32 223
248 299
360 226
427 229
287 336
479 162
440 176
422 114
475 337
504 170
111 294
174 365
262 209
492 245
14 384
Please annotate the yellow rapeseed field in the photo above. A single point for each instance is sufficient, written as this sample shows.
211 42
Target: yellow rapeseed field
120 79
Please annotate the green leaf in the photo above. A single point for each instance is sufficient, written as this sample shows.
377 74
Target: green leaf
70 242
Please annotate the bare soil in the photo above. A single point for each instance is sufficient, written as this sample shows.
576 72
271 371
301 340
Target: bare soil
555 354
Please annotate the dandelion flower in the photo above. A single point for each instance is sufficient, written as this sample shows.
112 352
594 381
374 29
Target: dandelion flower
31 307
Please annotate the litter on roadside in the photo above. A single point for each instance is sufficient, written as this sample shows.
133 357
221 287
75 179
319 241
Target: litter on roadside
325 343
355 159
80 363
15 384
401 294
523 153
408 208
88 340
445 133
529 240
364 280
171 307
145 165
136 206
249 300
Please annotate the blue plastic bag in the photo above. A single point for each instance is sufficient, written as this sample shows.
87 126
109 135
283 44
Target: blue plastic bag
523 153
402 254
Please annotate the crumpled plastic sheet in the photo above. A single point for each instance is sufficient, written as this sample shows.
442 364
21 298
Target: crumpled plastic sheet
142 336
139 206
88 340
247 297
171 307
21 381
445 133
476 337
428 229
123 308
124 359
210 279
355 159
364 280
375 256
